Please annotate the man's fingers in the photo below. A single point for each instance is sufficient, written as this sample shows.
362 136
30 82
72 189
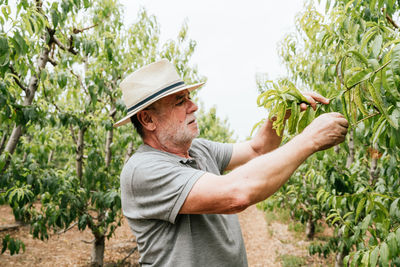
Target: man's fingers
344 131
343 122
317 97
336 114
311 101
303 106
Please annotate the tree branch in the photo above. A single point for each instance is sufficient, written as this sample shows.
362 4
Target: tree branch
17 80
129 254
62 46
52 61
88 242
112 112
65 230
73 134
80 81
388 18
9 227
75 30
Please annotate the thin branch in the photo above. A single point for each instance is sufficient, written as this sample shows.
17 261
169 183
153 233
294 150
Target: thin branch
129 254
391 21
80 81
3 141
73 134
17 81
9 227
366 118
52 61
65 230
88 242
75 30
112 112
62 46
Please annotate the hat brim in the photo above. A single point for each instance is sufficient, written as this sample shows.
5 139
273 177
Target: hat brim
127 119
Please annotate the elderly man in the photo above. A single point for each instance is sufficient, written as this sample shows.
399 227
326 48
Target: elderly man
179 204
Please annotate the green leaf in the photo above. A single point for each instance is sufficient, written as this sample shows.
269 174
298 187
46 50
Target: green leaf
354 261
358 77
384 254
365 259
54 17
394 209
6 11
5 243
303 122
367 37
376 46
391 241
4 51
395 59
395 118
373 258
294 116
359 57
360 207
377 98
358 100
398 237
366 222
372 4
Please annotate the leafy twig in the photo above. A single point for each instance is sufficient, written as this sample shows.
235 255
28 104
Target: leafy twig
363 119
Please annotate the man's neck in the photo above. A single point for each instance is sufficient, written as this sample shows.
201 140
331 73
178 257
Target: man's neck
181 150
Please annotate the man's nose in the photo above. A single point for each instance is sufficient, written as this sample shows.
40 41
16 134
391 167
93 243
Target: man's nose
192 107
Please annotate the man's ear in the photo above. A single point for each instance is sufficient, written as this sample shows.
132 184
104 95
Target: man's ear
145 117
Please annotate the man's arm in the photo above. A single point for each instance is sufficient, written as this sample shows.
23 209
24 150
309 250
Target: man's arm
266 139
263 142
264 175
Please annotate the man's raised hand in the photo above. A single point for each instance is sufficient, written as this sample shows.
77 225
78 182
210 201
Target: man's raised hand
326 130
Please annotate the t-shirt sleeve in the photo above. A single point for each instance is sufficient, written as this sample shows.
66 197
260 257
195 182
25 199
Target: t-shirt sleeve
160 189
221 152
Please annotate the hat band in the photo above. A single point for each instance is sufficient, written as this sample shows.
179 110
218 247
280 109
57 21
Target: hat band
155 95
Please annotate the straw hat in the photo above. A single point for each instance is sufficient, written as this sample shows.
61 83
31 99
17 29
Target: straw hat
149 84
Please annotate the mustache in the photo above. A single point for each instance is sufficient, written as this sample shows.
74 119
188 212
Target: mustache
191 120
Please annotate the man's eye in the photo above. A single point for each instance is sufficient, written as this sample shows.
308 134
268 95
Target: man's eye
180 103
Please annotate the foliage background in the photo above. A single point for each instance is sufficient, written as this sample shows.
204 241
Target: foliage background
60 66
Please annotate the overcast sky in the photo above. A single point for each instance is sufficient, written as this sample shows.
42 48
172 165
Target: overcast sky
235 40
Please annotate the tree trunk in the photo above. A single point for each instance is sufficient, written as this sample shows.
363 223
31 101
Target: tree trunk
108 147
129 152
373 171
29 95
110 134
3 141
97 251
341 254
310 229
339 259
79 153
12 144
350 157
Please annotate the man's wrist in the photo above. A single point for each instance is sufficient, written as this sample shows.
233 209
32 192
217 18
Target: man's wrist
307 143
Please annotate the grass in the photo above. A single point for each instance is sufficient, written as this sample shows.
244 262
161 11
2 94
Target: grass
288 260
282 215
298 230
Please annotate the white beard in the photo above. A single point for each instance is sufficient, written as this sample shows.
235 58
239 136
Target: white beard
177 134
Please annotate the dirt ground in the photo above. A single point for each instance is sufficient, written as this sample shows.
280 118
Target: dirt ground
265 244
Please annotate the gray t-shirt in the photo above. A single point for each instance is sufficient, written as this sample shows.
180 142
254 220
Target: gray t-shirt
154 186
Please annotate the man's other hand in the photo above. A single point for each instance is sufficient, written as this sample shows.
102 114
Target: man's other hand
313 98
326 130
